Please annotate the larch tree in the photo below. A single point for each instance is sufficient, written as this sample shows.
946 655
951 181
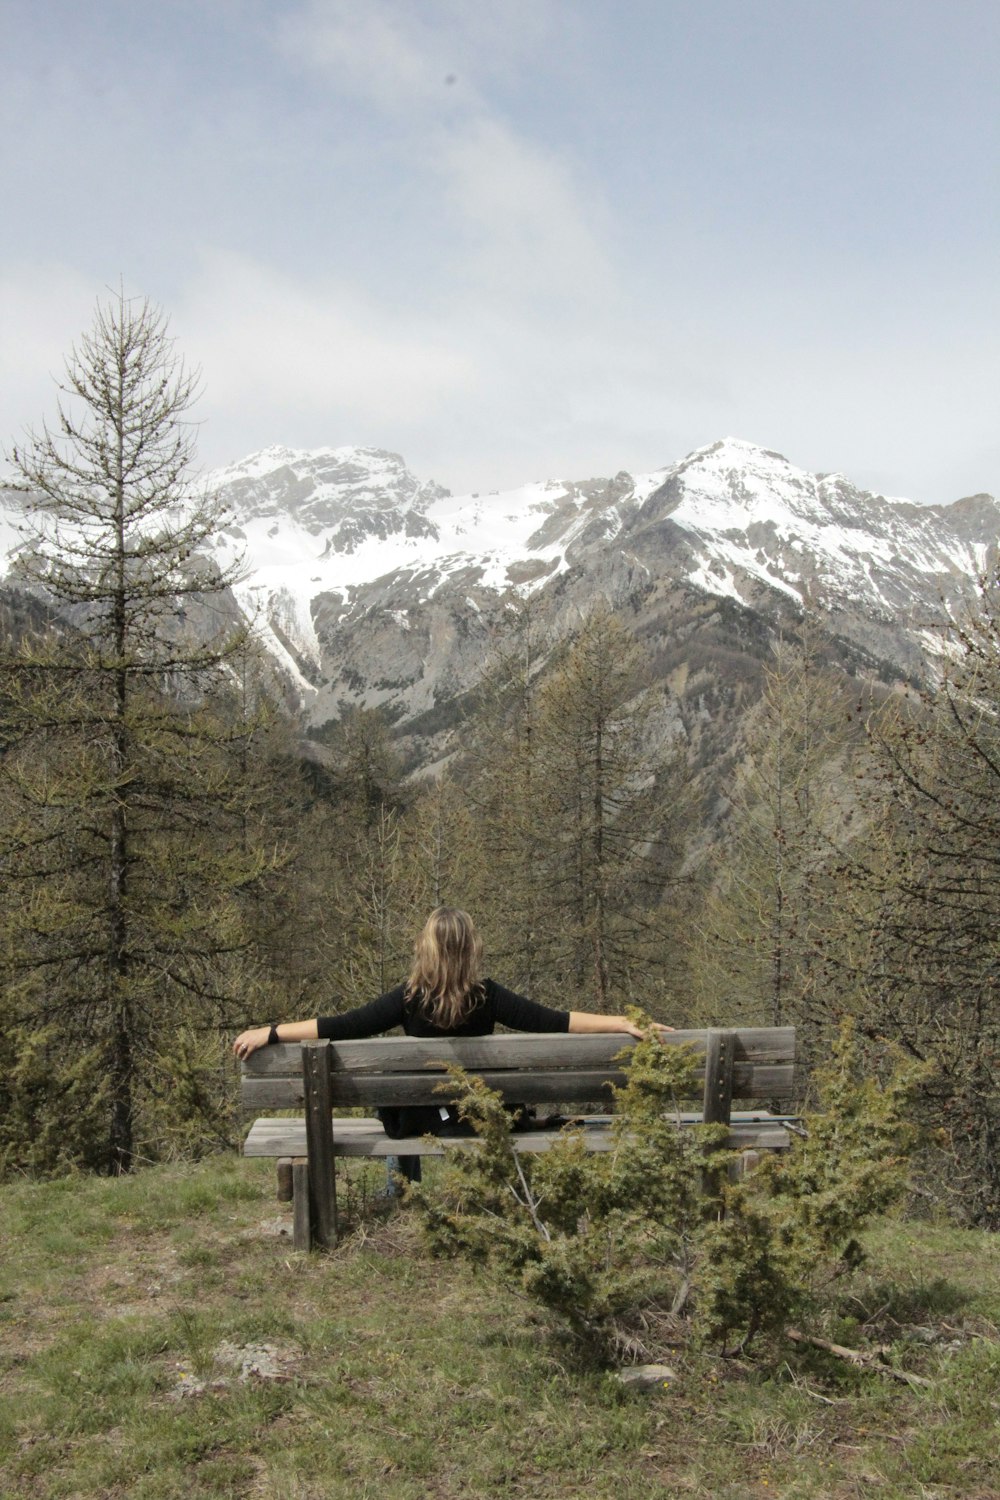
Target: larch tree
363 863
568 783
511 811
127 832
603 821
766 922
932 917
442 863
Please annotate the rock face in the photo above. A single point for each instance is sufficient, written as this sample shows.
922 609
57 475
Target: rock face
374 588
344 495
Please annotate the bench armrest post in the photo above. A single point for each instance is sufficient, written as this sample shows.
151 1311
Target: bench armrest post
720 1055
319 1136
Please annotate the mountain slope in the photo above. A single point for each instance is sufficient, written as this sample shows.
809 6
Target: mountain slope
378 589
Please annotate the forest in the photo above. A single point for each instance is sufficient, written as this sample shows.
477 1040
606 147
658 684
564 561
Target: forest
179 860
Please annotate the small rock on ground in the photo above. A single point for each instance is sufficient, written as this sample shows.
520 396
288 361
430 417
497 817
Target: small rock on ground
646 1377
243 1362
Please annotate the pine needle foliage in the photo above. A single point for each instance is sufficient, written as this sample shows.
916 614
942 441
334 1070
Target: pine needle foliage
932 885
590 1235
43 1086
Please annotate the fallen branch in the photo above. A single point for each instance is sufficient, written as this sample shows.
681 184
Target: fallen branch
856 1357
682 1295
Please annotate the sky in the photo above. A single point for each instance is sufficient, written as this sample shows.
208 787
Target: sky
523 239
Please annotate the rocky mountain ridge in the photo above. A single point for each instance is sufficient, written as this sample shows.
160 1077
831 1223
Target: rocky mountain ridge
377 589
374 588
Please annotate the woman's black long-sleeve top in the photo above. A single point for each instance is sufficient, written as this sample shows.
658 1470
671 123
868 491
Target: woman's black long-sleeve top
498 1006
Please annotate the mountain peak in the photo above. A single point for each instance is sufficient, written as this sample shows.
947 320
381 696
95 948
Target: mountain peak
737 450
346 466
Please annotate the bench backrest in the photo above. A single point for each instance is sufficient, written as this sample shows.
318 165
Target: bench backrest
750 1063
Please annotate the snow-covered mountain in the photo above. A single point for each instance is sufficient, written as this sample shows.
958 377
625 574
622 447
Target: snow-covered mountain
373 587
320 530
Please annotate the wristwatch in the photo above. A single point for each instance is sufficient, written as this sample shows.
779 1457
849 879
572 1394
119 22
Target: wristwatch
272 1035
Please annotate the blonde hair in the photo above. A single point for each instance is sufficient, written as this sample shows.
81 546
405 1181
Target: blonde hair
445 981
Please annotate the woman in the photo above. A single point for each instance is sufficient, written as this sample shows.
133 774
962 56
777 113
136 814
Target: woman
445 995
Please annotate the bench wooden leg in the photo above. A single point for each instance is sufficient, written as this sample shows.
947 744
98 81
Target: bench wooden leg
301 1218
319 1139
719 1059
285 1189
743 1165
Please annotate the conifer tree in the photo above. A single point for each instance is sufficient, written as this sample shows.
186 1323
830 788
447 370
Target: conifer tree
767 916
443 864
933 901
604 825
572 801
127 832
367 925
512 811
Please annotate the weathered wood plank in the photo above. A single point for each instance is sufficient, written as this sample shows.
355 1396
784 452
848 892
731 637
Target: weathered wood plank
720 1057
502 1050
265 1126
532 1051
766 1081
370 1090
319 1145
301 1227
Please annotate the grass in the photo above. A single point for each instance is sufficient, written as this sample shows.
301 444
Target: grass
126 1308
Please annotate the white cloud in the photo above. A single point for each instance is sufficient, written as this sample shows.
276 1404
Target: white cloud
43 311
528 225
454 270
307 363
364 50
402 56
522 221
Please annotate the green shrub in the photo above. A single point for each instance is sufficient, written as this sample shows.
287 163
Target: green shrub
187 1102
649 1241
792 1224
54 1094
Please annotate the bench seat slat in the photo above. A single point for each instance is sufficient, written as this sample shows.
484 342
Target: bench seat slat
360 1137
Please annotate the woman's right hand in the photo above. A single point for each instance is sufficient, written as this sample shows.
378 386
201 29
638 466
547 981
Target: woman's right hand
657 1028
249 1041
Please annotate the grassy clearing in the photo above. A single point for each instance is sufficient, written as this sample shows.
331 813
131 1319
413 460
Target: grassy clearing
126 1308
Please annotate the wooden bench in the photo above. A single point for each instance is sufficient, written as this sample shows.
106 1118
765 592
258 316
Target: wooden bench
752 1065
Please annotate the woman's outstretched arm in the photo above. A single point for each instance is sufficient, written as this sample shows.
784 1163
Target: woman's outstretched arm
377 1016
588 1020
286 1031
